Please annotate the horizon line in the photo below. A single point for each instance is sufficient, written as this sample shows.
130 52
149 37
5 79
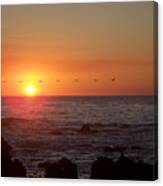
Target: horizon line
68 95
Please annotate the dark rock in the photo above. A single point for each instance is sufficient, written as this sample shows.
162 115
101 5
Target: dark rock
64 168
85 129
146 171
9 167
68 169
102 168
5 148
123 169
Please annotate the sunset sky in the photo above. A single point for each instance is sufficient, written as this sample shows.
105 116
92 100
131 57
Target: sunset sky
68 46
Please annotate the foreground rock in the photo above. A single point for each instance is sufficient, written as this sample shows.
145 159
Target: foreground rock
64 168
123 169
102 168
9 167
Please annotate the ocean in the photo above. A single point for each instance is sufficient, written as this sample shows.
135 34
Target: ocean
46 128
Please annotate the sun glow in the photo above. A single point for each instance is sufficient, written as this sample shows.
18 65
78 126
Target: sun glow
30 90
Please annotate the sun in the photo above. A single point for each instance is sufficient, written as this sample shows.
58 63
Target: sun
30 90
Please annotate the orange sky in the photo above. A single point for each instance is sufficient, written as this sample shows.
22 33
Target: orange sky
78 41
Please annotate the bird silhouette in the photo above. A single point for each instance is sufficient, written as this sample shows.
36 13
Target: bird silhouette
57 80
113 79
40 81
76 80
95 80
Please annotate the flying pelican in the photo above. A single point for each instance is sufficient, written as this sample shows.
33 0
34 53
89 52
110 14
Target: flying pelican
113 79
40 81
57 80
76 80
20 81
4 81
95 80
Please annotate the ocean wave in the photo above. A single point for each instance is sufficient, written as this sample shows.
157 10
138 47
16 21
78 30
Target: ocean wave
92 124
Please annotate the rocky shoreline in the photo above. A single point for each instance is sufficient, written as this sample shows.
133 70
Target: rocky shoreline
102 168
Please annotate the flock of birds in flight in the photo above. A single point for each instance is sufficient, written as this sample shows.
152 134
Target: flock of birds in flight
58 80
